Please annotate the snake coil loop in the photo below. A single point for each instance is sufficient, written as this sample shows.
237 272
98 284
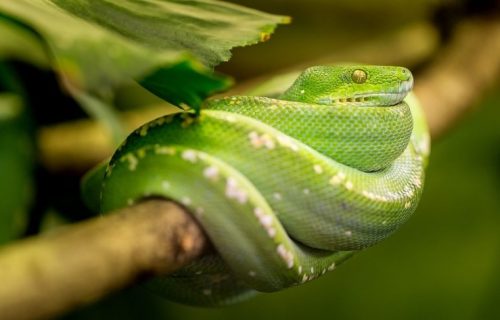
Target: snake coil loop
286 188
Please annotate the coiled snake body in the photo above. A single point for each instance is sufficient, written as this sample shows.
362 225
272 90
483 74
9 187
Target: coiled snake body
286 188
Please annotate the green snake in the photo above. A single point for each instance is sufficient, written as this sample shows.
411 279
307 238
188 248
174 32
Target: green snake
285 187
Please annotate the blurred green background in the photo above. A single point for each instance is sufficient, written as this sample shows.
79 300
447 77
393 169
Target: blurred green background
325 28
444 263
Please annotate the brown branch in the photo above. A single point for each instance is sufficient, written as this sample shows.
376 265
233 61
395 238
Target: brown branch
461 75
86 142
45 276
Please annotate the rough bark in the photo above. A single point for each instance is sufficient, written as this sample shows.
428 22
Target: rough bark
52 273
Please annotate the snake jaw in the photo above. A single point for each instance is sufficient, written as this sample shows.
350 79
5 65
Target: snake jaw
393 98
372 98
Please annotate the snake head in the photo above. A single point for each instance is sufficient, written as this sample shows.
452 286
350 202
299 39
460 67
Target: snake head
356 85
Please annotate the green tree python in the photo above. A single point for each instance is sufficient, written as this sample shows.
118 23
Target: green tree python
285 187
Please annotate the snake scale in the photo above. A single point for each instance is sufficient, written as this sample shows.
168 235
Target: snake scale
286 187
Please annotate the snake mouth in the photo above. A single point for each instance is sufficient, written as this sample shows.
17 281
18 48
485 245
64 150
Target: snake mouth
390 97
382 98
386 98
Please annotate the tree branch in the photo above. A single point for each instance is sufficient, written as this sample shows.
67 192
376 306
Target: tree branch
47 275
461 75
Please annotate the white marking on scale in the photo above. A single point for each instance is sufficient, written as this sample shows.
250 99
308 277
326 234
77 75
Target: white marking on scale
199 212
230 118
186 201
164 150
265 140
318 169
268 141
271 232
337 179
348 185
255 140
233 191
211 173
286 255
287 142
266 221
165 184
189 155
368 194
132 161
305 278
258 212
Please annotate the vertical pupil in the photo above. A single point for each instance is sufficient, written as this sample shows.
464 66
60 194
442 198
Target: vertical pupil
358 76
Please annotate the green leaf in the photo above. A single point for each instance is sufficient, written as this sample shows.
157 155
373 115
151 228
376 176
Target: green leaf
16 164
206 28
16 156
97 45
178 84
18 43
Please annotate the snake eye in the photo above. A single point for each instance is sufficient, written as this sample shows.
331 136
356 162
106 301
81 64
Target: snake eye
358 76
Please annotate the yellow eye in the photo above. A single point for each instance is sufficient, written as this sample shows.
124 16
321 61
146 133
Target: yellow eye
358 76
